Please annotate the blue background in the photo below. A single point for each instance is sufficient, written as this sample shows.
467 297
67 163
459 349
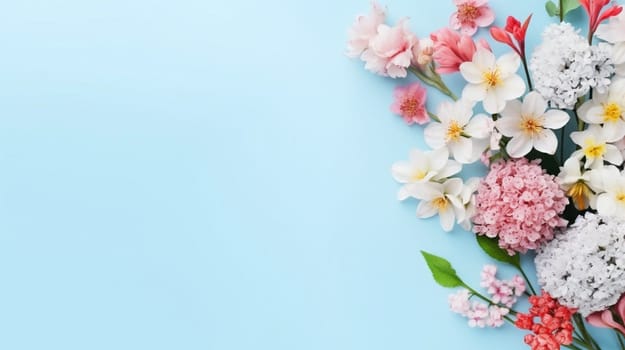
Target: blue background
214 175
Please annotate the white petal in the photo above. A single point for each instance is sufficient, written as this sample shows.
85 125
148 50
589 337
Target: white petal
426 210
614 131
462 150
447 219
484 59
519 146
606 205
453 186
509 126
479 127
618 53
471 73
546 142
417 156
452 168
474 92
578 137
592 115
437 159
555 119
512 110
427 191
402 171
511 88
508 64
613 155
493 103
534 105
434 135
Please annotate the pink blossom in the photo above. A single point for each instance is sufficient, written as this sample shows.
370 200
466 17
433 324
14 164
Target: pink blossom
503 292
471 14
605 319
459 302
363 29
519 203
391 51
410 103
452 49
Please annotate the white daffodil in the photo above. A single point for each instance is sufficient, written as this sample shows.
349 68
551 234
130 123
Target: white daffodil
580 186
607 109
492 81
422 167
612 201
465 136
529 123
612 32
595 148
442 199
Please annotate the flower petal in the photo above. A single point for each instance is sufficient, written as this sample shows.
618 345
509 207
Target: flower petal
474 92
434 135
546 142
555 119
519 146
534 105
479 127
426 210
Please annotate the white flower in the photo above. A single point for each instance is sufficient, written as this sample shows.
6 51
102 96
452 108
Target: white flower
607 109
583 266
442 199
612 32
564 67
612 201
422 167
465 136
468 200
595 148
580 187
490 81
529 125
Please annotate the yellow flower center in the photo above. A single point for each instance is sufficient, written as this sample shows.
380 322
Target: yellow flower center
611 112
579 193
440 203
492 78
621 197
454 131
410 107
594 150
418 175
531 126
468 13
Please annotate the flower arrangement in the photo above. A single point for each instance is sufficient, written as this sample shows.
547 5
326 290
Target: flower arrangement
549 128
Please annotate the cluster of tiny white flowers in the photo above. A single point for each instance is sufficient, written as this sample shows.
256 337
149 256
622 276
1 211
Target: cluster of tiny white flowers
584 267
565 67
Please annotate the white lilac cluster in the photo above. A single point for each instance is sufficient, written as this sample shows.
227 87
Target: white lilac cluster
584 267
503 292
565 67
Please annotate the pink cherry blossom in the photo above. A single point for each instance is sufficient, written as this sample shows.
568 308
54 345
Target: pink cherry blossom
452 49
391 51
471 14
363 29
410 103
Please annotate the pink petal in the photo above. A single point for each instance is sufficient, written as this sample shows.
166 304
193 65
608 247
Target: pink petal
487 18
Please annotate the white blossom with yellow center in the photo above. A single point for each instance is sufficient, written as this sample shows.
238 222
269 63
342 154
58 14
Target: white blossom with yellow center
529 125
423 167
444 199
595 148
608 110
612 201
464 135
492 81
580 185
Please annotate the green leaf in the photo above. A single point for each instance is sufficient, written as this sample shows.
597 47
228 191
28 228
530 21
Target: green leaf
491 247
569 5
552 9
442 271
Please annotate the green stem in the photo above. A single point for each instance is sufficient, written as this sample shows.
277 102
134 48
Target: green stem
561 12
434 80
477 294
527 72
527 280
434 117
590 342
562 137
619 336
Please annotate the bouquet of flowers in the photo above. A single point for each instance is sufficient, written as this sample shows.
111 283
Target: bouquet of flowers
550 129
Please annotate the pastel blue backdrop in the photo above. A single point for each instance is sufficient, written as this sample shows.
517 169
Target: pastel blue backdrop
201 174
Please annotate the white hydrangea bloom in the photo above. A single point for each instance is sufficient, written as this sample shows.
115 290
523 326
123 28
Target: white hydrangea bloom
565 67
584 267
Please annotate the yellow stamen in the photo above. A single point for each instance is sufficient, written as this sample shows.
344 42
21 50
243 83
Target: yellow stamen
418 176
492 78
454 131
580 194
468 13
611 112
593 150
410 107
531 126
440 203
621 197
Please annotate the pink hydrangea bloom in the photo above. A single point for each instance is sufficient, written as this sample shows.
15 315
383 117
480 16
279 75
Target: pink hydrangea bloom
363 29
471 14
519 203
410 103
392 50
452 49
505 292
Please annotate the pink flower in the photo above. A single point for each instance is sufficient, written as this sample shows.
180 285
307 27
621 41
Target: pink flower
471 14
391 51
519 203
410 103
605 319
593 8
363 29
452 49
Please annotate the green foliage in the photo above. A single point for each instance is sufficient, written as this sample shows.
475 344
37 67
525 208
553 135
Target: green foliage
442 271
491 247
553 10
